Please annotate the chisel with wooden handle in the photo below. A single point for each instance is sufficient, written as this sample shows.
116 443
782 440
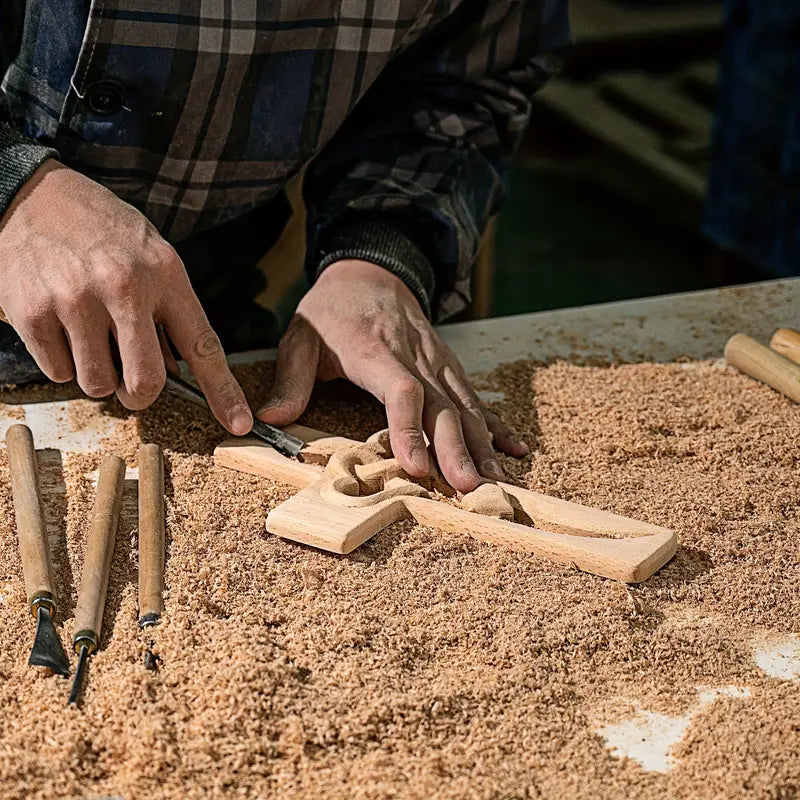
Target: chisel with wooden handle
787 342
34 548
151 541
151 535
97 566
764 364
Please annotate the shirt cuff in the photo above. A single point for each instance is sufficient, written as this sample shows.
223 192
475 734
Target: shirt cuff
388 247
20 157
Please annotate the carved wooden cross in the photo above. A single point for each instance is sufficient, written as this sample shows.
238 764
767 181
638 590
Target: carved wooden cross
352 490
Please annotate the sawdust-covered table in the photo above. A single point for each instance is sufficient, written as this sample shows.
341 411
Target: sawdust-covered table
426 665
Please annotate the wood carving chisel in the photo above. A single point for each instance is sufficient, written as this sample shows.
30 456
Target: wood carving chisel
97 566
37 566
283 442
151 541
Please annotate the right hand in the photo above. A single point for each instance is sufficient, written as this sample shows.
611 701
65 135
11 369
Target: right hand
77 264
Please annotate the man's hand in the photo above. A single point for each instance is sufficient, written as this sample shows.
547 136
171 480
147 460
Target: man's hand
77 264
362 323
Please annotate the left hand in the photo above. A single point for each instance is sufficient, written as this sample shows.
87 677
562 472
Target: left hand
362 323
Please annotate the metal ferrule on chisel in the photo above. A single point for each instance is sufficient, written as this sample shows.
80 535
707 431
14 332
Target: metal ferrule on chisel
87 639
45 600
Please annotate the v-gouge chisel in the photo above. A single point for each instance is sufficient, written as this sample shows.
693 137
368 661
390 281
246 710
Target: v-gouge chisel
97 566
151 541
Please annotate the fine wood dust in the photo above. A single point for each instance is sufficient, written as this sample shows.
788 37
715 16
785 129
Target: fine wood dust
427 665
12 412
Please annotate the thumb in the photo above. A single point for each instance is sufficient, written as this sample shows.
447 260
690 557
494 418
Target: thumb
295 374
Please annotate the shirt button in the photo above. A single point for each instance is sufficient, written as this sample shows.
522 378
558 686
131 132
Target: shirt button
104 98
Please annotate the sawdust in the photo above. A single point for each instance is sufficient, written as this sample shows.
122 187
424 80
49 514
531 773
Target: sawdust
12 412
427 665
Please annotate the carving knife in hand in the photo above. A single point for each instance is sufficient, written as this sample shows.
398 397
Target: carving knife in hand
283 442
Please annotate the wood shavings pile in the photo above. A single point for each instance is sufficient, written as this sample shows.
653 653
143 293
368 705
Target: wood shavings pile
427 665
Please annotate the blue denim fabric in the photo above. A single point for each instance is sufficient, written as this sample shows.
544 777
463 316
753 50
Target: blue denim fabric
753 205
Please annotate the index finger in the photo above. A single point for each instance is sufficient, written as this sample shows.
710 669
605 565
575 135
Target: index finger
188 328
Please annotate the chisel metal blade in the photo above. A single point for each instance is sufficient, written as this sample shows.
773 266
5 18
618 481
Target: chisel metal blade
283 442
80 673
47 648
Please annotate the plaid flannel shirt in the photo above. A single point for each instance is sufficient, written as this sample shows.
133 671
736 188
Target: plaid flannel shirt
403 111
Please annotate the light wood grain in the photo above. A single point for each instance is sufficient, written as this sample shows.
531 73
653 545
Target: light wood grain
764 364
100 549
37 565
151 533
787 342
252 456
319 446
573 533
308 518
631 559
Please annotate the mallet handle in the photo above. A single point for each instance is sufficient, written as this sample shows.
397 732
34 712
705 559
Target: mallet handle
763 364
787 342
151 533
37 566
99 552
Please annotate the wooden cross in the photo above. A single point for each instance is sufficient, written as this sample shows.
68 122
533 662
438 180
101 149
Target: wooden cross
352 490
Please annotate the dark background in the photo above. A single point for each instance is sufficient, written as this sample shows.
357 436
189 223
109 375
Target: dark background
608 192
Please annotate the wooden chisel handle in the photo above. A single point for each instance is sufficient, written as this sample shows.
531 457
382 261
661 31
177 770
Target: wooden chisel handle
787 342
99 552
151 534
763 364
34 549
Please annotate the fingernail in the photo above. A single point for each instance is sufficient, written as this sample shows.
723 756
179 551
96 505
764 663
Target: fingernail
419 458
241 421
494 470
468 468
270 405
523 448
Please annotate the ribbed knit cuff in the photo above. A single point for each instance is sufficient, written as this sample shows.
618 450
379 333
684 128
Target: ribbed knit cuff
20 157
382 244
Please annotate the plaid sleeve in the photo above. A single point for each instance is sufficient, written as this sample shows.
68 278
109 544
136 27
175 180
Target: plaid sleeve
412 178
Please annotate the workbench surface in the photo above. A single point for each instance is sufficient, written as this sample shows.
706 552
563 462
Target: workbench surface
694 325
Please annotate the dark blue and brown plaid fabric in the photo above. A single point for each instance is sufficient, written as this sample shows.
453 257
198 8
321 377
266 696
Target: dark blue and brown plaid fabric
404 112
